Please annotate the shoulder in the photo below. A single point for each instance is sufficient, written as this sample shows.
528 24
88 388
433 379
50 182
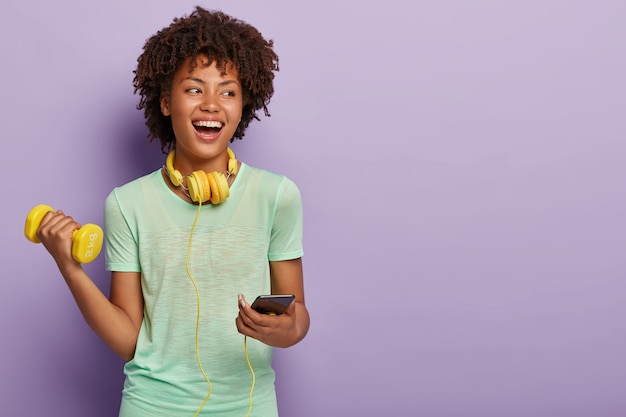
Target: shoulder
255 172
268 186
150 178
134 189
268 179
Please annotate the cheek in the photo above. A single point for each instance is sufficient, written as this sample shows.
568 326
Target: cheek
178 105
240 104
235 110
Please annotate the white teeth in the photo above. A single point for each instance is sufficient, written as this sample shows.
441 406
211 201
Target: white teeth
208 123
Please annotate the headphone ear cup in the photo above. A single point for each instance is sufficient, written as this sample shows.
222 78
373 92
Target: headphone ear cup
175 176
233 165
199 187
219 187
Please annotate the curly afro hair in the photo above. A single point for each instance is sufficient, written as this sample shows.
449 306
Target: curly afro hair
224 40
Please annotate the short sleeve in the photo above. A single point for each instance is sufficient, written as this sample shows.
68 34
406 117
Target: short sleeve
286 234
121 250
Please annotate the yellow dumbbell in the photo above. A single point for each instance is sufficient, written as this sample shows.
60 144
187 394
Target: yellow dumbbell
86 241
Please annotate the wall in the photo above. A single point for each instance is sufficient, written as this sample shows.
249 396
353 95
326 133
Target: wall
462 169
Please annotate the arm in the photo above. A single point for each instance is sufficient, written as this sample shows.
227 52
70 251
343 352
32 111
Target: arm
116 320
288 328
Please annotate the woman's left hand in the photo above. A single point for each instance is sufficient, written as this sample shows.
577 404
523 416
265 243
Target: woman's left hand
273 330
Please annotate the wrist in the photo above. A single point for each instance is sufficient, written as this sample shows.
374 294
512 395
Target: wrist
71 270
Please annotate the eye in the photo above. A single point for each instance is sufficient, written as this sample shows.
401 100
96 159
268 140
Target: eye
228 93
194 90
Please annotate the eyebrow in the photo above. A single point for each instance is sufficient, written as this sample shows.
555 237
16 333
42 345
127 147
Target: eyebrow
201 81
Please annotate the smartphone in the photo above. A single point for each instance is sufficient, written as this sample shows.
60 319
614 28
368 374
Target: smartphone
273 304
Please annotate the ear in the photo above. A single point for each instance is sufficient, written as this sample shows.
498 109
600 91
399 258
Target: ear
165 106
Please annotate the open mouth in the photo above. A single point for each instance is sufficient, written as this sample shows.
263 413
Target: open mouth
207 127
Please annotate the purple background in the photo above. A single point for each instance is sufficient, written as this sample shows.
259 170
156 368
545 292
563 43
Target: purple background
462 167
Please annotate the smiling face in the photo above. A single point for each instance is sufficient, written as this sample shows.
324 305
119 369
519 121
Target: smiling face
205 107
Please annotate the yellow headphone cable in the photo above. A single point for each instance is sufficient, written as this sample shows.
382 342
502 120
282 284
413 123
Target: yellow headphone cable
245 344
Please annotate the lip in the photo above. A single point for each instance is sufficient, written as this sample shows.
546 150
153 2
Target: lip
207 137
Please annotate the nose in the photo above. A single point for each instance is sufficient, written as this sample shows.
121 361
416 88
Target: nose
210 103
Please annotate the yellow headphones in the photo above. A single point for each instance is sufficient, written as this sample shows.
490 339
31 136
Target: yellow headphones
203 186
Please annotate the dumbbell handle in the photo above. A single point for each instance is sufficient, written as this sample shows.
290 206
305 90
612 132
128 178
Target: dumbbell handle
86 241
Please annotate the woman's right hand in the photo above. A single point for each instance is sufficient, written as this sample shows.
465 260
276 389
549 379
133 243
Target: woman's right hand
56 232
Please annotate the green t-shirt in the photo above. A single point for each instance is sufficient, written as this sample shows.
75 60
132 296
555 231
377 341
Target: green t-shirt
147 230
